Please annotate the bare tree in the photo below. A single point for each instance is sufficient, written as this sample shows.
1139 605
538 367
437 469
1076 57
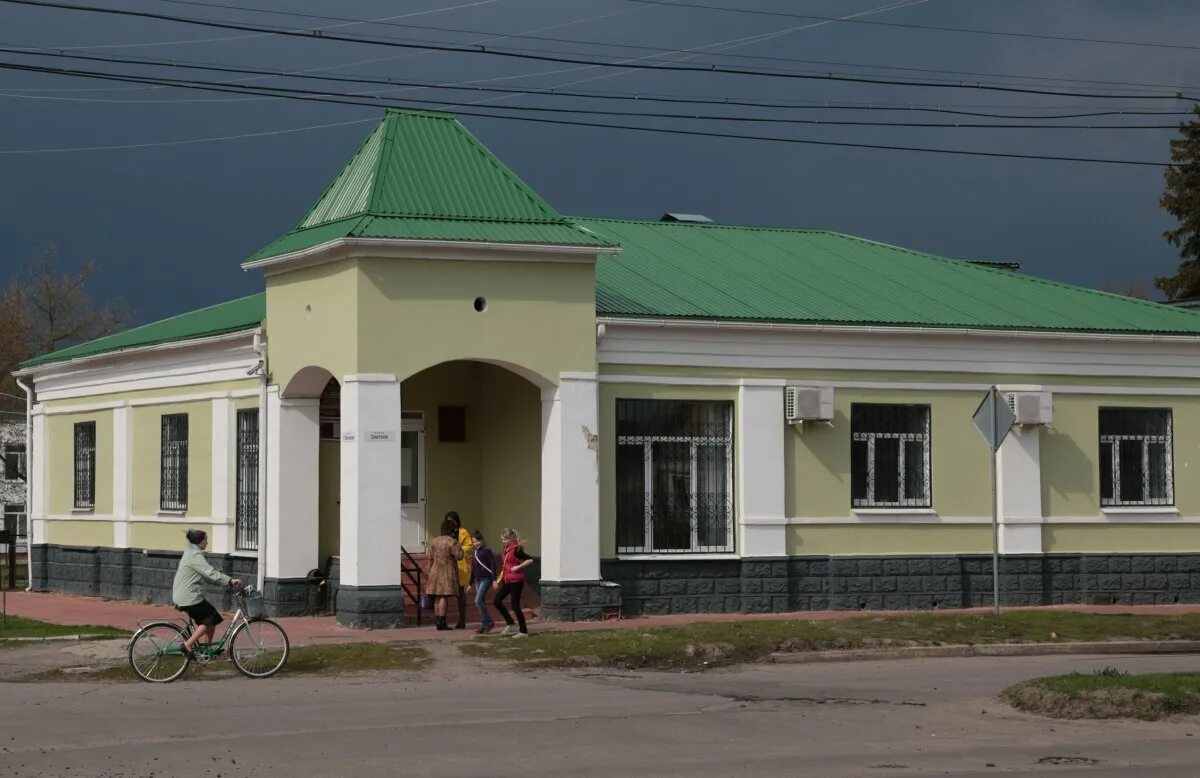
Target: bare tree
43 310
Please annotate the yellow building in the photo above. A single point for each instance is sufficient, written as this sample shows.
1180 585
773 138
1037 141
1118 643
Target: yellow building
678 416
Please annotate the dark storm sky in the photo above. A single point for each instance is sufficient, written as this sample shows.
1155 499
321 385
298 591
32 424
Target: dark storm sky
168 225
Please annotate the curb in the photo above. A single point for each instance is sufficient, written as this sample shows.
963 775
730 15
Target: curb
994 649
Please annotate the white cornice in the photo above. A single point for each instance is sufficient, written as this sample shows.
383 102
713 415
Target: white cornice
94 360
404 248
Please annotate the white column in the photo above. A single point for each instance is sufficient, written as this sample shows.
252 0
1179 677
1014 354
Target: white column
760 468
293 440
571 480
222 473
35 468
370 481
1019 492
122 474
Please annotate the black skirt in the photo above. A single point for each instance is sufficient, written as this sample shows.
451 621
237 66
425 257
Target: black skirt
204 613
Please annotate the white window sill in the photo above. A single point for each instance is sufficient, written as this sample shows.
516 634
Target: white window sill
681 556
893 512
1125 510
171 514
83 511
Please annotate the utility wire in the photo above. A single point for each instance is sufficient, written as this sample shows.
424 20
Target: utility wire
758 57
320 35
209 67
931 27
314 96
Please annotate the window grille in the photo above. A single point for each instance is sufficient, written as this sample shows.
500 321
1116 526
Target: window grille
173 476
1136 459
85 464
14 462
16 519
674 477
329 413
247 480
889 456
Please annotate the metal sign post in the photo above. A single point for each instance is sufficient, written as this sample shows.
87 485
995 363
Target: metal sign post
993 418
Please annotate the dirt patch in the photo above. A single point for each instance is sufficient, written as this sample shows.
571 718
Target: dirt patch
1108 694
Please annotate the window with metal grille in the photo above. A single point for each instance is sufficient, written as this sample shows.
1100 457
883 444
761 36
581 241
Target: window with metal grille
329 412
14 462
16 520
889 456
674 476
247 480
173 475
85 464
1136 457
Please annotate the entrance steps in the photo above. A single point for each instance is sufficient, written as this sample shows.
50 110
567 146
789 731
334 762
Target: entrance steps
412 561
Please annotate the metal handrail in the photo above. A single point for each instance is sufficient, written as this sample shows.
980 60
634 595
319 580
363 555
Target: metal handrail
409 571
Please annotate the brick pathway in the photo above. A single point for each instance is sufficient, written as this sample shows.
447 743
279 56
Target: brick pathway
302 630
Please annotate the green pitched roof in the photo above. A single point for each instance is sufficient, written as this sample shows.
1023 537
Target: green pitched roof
421 175
708 271
233 316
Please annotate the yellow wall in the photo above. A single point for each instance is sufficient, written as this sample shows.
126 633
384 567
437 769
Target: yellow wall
329 489
147 456
60 429
161 535
216 387
817 456
1070 451
540 316
80 533
873 539
311 321
1120 538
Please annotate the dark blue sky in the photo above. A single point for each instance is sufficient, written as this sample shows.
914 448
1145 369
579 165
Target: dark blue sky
169 225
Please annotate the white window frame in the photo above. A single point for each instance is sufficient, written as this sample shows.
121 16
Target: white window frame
20 518
22 461
924 438
1114 444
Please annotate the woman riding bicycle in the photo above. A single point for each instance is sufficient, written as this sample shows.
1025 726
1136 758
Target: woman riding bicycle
188 591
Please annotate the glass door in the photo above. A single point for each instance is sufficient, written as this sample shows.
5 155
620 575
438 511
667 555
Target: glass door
412 483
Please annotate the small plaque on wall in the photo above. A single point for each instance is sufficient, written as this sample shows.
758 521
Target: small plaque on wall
452 424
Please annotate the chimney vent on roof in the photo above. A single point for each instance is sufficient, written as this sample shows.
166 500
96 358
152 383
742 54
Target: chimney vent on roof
694 218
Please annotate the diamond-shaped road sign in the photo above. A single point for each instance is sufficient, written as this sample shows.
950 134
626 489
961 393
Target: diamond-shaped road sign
993 418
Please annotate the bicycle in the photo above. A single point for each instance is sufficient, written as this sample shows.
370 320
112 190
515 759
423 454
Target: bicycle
258 647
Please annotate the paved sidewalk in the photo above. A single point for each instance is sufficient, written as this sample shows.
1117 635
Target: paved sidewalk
303 630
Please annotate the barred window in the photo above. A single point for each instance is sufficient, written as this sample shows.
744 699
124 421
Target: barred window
85 464
674 476
889 456
247 480
14 462
329 412
1136 457
15 520
173 476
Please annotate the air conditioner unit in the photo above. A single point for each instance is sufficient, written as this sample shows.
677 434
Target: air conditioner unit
808 403
1032 408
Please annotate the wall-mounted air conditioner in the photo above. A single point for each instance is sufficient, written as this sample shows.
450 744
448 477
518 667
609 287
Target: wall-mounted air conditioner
1032 408
808 403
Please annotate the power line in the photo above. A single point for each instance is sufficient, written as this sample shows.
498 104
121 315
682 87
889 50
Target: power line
319 97
931 27
639 114
758 57
188 141
593 63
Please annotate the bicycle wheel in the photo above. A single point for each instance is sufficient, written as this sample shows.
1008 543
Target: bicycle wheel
259 647
156 652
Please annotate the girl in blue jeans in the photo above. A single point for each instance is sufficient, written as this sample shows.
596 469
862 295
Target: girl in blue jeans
483 572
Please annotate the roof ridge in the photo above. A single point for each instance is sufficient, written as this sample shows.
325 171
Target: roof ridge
508 173
704 225
382 160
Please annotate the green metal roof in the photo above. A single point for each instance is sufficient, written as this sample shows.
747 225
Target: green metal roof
233 316
707 271
422 175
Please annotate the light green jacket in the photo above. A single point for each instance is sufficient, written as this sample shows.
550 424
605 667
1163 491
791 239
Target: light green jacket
193 571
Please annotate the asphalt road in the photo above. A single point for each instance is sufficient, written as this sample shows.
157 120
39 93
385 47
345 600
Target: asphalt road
897 718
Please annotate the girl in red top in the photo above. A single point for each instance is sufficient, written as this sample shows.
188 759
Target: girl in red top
512 581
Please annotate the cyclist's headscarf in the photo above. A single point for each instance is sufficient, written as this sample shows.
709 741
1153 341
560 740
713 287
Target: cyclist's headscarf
196 536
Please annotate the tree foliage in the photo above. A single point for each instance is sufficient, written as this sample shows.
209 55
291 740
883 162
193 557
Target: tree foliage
43 309
1182 200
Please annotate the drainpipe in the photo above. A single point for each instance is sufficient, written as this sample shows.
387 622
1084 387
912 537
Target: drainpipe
28 481
260 348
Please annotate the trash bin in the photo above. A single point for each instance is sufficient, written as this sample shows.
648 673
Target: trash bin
316 593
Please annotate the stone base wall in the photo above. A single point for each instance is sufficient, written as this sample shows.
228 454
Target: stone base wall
286 596
127 573
370 607
899 583
580 600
